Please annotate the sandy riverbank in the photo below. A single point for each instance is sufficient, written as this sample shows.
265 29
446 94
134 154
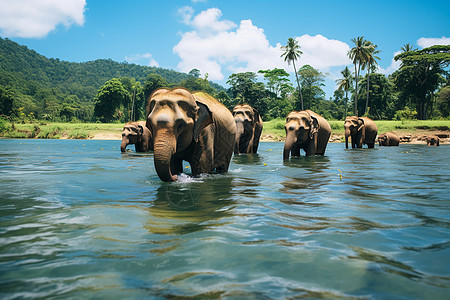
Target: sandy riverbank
413 137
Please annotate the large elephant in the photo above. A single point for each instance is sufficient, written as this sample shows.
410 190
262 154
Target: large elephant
362 130
306 130
388 139
138 134
249 126
191 127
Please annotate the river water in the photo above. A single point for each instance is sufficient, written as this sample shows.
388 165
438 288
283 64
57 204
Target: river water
78 220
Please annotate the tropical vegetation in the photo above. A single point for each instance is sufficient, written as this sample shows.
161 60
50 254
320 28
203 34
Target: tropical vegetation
33 87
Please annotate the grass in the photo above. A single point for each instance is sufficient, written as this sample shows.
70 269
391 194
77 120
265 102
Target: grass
56 130
275 128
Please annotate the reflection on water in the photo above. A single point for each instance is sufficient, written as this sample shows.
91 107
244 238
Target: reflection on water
78 219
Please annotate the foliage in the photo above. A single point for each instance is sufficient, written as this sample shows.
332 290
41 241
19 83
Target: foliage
420 76
405 114
311 81
291 53
111 100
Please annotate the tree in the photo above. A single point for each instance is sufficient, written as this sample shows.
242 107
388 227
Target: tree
345 83
194 73
311 80
241 85
152 83
291 53
359 55
443 100
7 101
108 100
370 63
276 79
382 100
421 74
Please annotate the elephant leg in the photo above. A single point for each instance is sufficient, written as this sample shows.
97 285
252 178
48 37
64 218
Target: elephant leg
177 166
203 157
310 148
295 151
371 145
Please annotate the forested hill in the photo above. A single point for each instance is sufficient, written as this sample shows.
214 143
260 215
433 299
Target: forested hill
34 77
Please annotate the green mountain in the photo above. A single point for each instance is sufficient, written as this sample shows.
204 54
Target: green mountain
38 82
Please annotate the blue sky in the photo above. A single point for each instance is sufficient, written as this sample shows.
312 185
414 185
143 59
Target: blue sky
223 37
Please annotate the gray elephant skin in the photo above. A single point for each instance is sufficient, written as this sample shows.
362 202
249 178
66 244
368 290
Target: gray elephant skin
191 127
388 139
362 130
249 126
138 134
308 131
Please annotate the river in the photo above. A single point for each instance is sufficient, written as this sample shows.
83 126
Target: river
78 220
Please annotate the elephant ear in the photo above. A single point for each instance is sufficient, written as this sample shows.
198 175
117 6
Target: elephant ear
360 124
256 116
314 126
204 118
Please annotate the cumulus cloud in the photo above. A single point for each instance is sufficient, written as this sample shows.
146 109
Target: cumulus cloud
216 46
142 59
394 66
428 42
35 19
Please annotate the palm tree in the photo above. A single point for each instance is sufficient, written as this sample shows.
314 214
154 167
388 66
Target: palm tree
408 47
358 55
291 53
370 63
345 84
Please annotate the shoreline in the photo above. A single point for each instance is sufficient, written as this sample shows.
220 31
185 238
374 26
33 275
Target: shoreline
406 137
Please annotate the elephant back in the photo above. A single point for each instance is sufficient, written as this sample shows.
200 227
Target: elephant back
220 113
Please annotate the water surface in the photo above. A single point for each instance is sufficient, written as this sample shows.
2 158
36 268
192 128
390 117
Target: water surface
79 219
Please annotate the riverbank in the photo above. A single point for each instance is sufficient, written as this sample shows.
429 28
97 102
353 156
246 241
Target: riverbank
408 131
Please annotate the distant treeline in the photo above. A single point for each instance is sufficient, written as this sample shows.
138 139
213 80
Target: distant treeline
35 87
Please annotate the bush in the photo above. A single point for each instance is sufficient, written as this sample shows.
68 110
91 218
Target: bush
405 114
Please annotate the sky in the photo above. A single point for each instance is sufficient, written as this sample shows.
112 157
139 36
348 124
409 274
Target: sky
224 37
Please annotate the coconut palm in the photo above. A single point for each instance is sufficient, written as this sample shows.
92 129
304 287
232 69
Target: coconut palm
345 83
358 55
370 63
408 47
291 53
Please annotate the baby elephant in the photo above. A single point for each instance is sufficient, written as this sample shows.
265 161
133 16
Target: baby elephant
305 130
138 134
388 139
432 141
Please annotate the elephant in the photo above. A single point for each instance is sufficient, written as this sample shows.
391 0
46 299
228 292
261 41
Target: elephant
138 134
249 126
308 131
432 141
362 130
388 139
193 127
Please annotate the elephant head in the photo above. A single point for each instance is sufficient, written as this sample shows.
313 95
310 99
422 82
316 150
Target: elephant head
353 126
432 140
383 140
246 118
132 134
300 128
175 119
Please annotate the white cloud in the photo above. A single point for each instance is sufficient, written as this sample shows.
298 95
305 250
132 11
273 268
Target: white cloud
35 19
428 42
216 46
142 59
186 13
394 66
322 53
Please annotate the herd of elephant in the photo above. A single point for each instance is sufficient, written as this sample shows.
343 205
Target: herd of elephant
195 127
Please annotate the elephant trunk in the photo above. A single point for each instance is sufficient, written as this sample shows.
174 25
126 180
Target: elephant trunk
347 134
164 149
288 144
123 145
239 132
